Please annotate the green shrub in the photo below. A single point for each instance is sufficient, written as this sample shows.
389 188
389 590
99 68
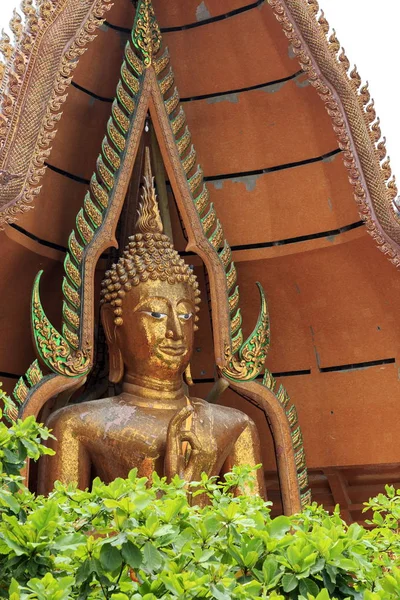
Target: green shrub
126 541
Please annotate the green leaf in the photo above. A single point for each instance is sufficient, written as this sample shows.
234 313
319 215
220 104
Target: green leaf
14 590
307 586
131 554
289 582
323 595
83 573
218 593
10 501
152 557
279 526
269 569
110 557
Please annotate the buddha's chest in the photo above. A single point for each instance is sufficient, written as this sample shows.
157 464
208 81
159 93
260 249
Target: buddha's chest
139 439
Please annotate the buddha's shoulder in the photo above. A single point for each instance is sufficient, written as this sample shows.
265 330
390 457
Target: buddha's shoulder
225 414
83 412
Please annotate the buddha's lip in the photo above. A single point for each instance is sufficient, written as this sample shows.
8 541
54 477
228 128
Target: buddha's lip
173 350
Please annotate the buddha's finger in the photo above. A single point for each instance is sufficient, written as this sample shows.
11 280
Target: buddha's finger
180 417
189 436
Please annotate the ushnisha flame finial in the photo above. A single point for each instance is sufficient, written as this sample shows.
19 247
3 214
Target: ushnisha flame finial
149 219
146 34
149 254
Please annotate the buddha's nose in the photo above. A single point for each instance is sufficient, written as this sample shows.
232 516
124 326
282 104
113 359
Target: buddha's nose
174 327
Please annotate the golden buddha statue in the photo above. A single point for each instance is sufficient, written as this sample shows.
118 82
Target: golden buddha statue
149 303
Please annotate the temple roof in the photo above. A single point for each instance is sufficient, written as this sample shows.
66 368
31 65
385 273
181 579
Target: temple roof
278 168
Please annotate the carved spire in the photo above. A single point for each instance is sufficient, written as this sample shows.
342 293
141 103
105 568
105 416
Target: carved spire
146 35
149 219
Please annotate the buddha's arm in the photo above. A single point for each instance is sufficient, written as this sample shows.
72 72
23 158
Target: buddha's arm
71 462
247 451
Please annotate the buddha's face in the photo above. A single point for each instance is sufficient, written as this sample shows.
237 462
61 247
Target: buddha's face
156 338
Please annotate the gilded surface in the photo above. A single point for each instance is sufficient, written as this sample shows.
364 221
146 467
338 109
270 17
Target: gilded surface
146 33
149 304
252 354
149 269
52 348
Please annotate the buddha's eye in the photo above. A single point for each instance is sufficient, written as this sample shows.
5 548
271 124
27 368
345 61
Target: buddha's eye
158 315
154 314
185 316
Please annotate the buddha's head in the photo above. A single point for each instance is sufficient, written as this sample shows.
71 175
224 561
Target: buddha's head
149 301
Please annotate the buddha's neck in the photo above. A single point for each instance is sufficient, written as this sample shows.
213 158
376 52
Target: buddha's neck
152 392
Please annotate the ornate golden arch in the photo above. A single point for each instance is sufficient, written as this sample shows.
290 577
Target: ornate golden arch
65 359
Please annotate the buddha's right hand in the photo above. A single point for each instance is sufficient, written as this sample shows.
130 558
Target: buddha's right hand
175 462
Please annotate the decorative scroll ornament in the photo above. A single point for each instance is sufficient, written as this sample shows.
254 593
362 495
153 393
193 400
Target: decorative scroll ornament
354 120
51 346
12 405
249 362
146 34
33 90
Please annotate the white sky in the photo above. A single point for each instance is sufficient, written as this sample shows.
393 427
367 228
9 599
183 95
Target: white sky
369 32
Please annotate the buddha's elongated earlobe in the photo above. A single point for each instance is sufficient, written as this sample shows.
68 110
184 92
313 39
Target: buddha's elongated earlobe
188 376
116 363
116 371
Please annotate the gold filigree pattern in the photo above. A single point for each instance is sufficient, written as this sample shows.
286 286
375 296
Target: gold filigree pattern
161 62
183 142
146 32
233 300
236 321
98 192
201 201
252 353
110 155
120 118
93 213
167 82
115 136
225 254
231 277
84 228
52 347
209 219
172 102
129 79
71 295
195 180
21 391
178 122
75 248
134 62
72 272
217 236
34 374
105 174
125 99
189 161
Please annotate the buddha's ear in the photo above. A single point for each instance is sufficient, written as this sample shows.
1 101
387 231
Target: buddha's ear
116 363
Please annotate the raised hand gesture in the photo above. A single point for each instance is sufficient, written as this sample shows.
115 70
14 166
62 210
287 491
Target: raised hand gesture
182 447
